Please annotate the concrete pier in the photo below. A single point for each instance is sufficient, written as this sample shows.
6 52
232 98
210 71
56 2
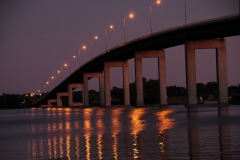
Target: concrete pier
70 89
50 101
220 46
59 100
86 76
160 54
107 66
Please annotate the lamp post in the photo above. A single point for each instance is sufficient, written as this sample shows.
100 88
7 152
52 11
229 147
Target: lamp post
150 12
124 22
111 27
53 80
185 12
96 37
45 86
60 72
71 63
79 52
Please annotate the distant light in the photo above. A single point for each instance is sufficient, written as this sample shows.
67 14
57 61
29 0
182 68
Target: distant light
131 15
52 77
158 2
65 64
111 26
47 82
96 37
108 51
58 71
74 56
84 47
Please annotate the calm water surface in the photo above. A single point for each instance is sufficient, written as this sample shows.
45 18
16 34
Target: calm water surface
120 133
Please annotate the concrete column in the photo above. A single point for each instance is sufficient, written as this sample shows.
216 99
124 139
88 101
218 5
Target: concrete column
220 45
222 72
59 100
85 90
107 66
162 78
191 73
101 86
126 86
101 90
107 84
160 54
70 95
139 80
50 101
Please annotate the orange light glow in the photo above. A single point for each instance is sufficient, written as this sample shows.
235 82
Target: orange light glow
131 15
74 56
65 64
158 2
52 77
84 47
111 26
96 37
58 71
47 82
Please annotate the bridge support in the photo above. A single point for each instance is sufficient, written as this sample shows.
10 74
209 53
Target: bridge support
59 100
50 101
160 54
220 46
70 95
107 66
85 87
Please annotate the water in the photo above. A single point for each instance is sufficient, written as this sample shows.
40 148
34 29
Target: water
120 133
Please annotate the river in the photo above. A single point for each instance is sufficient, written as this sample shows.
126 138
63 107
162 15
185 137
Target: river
120 133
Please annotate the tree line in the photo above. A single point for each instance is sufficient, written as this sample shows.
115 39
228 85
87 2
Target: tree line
175 95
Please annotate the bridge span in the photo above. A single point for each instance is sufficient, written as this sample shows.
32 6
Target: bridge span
200 35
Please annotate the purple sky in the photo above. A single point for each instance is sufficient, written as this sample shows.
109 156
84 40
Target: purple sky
38 37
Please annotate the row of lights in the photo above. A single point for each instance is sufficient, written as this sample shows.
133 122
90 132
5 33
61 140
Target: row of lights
96 37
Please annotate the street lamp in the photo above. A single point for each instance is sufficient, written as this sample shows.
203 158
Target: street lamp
71 63
79 51
53 80
96 37
185 12
110 27
45 86
150 11
124 21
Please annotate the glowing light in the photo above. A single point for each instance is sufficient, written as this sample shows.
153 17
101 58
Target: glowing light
84 47
52 77
47 82
158 2
65 64
111 27
58 71
131 15
96 37
74 56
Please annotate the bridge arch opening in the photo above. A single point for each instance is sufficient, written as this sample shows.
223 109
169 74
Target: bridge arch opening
93 91
206 74
116 81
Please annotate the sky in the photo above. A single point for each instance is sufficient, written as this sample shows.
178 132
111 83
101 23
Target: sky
38 37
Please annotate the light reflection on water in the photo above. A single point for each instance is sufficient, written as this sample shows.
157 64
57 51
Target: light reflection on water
120 133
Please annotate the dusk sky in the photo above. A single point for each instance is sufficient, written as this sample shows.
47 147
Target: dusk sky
38 37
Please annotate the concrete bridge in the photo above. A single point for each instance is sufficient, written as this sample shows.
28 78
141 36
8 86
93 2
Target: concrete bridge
200 35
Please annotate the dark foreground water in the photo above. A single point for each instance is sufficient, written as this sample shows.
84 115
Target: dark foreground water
118 133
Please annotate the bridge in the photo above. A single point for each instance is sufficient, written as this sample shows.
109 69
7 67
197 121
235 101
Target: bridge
199 35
